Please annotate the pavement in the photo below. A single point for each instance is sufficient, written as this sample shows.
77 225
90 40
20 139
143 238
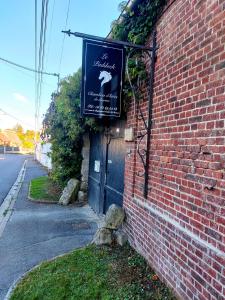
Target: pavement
10 164
38 232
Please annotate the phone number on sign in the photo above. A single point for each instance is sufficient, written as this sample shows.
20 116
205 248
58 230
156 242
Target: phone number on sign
98 107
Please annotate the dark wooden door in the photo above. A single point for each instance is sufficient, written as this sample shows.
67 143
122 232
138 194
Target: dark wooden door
106 168
95 170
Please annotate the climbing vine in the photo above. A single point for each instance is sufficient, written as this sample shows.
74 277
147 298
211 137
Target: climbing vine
137 22
135 25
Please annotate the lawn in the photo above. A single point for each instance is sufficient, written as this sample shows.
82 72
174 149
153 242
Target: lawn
43 189
93 273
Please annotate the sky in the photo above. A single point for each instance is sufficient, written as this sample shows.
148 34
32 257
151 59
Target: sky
17 86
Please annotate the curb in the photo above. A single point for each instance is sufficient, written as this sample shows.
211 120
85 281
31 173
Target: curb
20 278
39 200
9 201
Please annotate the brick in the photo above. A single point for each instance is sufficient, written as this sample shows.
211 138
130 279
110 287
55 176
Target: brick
186 172
204 102
213 234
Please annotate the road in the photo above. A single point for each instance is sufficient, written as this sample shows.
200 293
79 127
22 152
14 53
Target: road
10 165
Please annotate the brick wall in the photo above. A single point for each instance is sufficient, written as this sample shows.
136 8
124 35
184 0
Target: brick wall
180 228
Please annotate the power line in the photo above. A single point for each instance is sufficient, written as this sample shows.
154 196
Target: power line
26 74
44 35
39 65
27 68
50 32
35 62
11 116
63 40
44 17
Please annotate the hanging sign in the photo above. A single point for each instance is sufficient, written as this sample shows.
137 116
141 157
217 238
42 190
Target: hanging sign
102 76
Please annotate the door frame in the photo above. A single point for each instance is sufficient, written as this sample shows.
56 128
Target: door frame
105 139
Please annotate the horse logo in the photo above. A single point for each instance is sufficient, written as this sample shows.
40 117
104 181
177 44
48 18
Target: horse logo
106 76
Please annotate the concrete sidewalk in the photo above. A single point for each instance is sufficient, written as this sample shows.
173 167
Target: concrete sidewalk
37 232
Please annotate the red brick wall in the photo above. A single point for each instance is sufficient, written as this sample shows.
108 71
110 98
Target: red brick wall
180 228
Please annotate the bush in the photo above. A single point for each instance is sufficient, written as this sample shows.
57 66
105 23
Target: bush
64 127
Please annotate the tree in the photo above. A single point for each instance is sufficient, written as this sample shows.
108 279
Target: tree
64 127
28 141
62 123
18 129
27 138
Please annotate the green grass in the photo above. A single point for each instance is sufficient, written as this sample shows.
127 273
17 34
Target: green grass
93 273
42 188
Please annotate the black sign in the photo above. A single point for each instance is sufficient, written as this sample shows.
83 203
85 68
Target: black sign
102 79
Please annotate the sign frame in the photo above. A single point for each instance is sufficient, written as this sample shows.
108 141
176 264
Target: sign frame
114 109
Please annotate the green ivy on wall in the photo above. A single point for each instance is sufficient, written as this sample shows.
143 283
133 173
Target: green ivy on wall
135 25
137 22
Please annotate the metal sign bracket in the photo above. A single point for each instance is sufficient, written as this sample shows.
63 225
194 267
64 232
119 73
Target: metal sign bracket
144 154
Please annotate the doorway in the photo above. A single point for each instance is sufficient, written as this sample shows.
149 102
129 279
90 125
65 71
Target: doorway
106 167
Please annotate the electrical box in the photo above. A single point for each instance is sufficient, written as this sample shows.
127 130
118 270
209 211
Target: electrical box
129 135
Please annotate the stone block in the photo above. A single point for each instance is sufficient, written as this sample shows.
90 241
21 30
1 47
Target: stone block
70 192
84 186
114 217
82 196
121 237
103 236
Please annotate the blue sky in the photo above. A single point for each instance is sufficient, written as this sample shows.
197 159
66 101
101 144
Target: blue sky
17 44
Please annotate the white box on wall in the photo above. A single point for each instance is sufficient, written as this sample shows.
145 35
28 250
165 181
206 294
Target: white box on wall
129 134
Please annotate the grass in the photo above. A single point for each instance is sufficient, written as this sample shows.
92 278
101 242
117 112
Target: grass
93 273
43 189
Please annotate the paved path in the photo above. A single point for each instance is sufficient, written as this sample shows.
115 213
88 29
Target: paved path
10 165
37 232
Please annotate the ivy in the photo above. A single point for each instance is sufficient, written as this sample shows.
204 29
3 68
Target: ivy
135 25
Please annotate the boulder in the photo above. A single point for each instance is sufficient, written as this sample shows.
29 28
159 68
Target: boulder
82 196
114 217
103 236
121 237
70 192
84 186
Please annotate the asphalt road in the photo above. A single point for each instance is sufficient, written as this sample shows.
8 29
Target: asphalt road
10 165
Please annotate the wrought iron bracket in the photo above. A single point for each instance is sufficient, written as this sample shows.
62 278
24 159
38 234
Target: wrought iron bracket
106 40
143 153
